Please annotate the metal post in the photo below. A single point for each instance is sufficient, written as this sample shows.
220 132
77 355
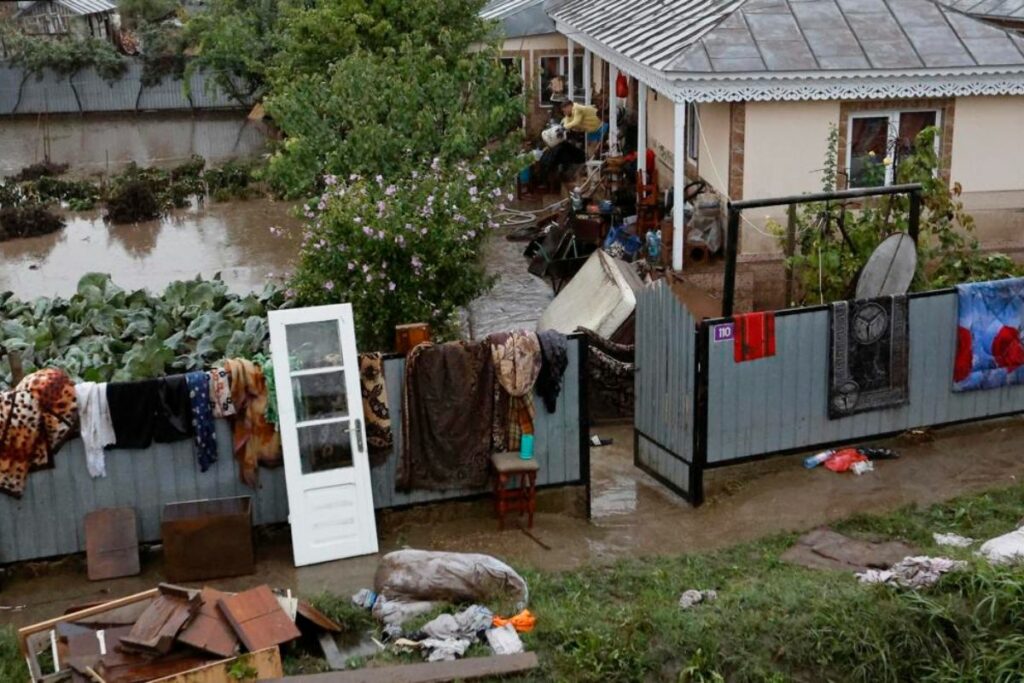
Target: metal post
641 132
731 241
678 185
613 111
588 80
915 214
572 71
790 250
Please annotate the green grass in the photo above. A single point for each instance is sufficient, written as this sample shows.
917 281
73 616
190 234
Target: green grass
772 621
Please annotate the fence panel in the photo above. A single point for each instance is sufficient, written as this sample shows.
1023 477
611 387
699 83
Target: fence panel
665 387
781 403
48 520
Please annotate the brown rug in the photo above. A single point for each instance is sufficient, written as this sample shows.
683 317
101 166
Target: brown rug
827 549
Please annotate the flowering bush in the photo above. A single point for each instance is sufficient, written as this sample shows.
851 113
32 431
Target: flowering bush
402 250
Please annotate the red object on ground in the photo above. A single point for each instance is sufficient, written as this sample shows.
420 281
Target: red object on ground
964 354
754 336
1007 349
844 459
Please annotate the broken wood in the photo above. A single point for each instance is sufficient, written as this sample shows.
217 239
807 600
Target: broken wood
433 672
265 663
111 543
209 631
257 619
331 652
157 628
317 618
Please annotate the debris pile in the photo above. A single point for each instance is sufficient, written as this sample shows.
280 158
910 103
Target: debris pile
173 634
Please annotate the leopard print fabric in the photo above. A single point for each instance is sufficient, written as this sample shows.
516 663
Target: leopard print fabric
36 418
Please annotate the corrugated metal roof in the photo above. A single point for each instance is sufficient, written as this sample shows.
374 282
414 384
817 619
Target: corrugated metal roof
79 7
995 9
499 9
776 36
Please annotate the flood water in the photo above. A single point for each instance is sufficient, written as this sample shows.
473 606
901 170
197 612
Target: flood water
232 238
106 143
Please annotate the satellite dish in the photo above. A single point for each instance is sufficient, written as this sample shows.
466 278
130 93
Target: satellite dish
890 270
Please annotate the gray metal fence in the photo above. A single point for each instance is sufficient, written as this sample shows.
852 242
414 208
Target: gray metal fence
86 91
47 521
666 348
699 409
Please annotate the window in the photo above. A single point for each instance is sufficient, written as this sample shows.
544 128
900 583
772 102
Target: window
877 141
515 65
579 86
692 131
553 82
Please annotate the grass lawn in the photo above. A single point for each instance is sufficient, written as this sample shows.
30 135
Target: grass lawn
772 621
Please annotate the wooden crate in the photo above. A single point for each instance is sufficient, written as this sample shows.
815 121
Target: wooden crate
207 539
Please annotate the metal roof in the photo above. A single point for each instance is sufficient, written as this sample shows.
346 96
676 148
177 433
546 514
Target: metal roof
80 7
499 9
796 36
993 9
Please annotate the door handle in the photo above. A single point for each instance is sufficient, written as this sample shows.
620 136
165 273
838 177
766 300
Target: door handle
359 435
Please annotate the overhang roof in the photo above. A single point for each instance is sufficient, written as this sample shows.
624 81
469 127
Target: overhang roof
776 36
519 18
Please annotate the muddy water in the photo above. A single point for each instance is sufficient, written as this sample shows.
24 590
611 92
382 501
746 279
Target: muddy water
91 144
232 238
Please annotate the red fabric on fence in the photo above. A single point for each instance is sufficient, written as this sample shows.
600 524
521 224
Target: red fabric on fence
754 336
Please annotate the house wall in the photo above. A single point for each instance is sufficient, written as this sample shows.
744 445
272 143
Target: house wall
713 141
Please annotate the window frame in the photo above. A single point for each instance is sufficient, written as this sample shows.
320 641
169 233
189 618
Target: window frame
892 137
563 60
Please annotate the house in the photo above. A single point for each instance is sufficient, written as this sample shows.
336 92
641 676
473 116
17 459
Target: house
747 91
68 18
1005 13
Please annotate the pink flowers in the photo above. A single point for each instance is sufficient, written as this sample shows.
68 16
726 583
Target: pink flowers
329 285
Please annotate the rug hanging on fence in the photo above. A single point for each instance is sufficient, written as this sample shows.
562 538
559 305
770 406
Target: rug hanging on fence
869 349
989 352
754 336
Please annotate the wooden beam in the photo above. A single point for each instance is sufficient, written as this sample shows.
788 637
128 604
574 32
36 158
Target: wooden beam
434 672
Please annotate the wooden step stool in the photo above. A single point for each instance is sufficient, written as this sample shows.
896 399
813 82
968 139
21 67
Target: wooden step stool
523 496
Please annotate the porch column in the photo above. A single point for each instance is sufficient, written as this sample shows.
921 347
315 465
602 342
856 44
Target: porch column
588 80
678 183
572 72
641 129
613 111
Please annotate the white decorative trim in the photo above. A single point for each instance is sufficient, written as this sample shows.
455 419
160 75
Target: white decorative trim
859 89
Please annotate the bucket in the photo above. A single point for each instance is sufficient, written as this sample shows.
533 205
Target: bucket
526 447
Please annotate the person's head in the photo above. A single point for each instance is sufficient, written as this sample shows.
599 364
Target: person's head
567 108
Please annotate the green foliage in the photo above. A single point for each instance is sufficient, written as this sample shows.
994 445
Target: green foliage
12 664
233 180
27 220
104 333
136 195
388 113
79 195
163 53
234 41
406 250
136 14
340 609
35 54
834 241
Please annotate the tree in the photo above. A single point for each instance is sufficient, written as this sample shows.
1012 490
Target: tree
137 13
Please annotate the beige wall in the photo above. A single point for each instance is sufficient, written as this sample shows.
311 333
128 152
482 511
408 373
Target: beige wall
988 144
713 152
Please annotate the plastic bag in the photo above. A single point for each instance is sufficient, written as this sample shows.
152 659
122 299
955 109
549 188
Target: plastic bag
1005 549
843 460
622 86
451 577
398 612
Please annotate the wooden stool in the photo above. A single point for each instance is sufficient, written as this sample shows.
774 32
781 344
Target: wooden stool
522 497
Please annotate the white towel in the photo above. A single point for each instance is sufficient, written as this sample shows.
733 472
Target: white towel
95 426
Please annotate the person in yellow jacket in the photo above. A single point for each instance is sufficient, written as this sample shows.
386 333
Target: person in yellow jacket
580 117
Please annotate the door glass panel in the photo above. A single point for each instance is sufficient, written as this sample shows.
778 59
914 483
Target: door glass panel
319 397
869 140
313 345
911 124
325 447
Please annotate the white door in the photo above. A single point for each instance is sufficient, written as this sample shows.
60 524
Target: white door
320 405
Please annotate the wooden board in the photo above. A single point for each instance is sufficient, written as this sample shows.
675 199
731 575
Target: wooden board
257 619
317 618
266 662
111 543
209 631
159 625
434 672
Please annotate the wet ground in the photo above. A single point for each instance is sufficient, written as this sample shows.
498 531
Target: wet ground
106 143
517 300
232 238
633 516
